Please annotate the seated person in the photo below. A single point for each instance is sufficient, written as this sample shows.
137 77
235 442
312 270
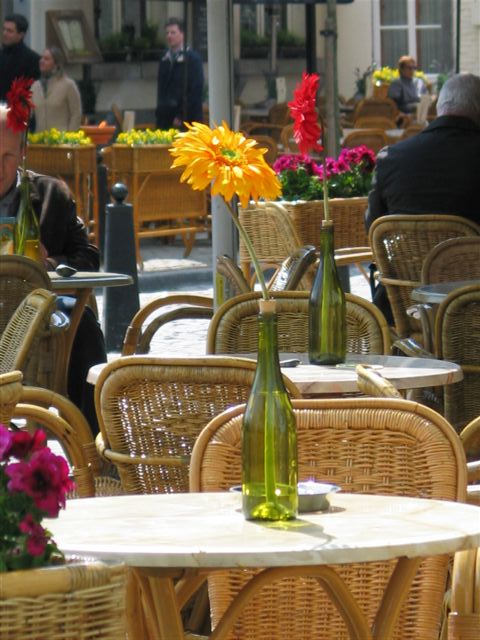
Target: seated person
63 240
406 91
435 171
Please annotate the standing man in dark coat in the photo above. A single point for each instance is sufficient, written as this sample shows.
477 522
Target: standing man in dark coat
16 59
180 81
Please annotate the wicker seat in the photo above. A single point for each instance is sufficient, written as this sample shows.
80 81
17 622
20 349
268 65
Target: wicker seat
63 602
233 328
365 445
400 243
19 276
151 410
147 321
457 339
373 138
372 383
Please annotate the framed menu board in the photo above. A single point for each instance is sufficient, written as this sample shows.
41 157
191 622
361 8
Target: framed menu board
70 31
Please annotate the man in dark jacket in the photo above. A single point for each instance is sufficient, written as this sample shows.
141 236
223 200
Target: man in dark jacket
435 171
63 240
16 59
180 81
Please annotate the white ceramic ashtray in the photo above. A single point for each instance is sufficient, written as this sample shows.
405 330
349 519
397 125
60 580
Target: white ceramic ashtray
312 496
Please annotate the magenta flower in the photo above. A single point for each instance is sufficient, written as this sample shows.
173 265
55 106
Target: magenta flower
44 478
23 444
36 536
5 442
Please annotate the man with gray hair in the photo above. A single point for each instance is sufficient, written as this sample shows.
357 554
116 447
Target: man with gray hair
437 170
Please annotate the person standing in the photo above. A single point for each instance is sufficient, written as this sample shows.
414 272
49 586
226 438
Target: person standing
180 81
55 96
16 59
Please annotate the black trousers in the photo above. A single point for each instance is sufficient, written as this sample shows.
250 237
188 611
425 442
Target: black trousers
88 349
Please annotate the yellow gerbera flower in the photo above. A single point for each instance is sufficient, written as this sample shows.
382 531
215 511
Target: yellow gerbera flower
232 163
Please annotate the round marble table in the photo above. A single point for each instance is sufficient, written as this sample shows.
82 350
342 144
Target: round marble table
172 536
313 380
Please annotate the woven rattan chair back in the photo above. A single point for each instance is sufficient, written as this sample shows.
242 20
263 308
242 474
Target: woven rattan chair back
72 601
151 411
24 329
227 268
374 122
451 260
10 394
293 269
457 339
365 445
19 276
375 108
159 312
400 243
287 140
268 143
233 328
464 616
372 383
279 113
373 138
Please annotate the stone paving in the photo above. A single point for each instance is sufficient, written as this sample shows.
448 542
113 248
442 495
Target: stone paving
167 271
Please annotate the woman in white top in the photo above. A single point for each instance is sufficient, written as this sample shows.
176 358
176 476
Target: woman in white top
55 95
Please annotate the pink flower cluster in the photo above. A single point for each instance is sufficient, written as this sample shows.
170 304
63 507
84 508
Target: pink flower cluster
361 157
33 484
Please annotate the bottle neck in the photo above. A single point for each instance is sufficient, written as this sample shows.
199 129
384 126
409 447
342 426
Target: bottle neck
327 246
268 370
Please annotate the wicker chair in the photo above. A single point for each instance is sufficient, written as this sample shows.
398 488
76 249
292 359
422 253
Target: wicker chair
373 138
147 321
72 601
229 270
252 129
233 328
277 230
287 140
151 410
65 422
451 260
19 276
21 335
268 143
400 243
365 445
457 339
374 122
372 383
464 616
470 437
375 108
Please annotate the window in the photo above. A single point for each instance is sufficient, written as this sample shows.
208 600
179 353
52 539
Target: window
420 28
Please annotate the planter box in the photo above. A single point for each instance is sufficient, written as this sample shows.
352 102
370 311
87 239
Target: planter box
77 166
162 205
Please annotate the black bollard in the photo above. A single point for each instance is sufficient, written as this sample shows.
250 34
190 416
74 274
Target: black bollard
120 303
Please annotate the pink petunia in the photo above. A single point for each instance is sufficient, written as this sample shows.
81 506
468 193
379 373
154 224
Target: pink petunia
5 442
37 538
23 444
44 478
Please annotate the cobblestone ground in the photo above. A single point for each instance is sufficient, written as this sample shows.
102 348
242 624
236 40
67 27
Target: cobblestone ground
188 337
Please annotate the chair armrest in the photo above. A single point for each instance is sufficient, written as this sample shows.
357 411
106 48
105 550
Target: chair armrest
409 347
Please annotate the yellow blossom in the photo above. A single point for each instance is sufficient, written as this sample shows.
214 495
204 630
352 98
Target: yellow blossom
233 164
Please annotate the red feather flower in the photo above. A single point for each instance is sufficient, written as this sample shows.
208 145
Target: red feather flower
306 129
19 100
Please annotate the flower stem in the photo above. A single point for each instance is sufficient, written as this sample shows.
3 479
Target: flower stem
326 211
251 251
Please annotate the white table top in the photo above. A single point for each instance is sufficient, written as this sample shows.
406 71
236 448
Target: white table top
403 372
436 293
89 280
208 530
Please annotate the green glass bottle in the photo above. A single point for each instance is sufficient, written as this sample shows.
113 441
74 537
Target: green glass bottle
269 441
327 324
27 227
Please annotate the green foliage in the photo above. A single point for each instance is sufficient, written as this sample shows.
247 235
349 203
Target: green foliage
251 39
288 39
114 42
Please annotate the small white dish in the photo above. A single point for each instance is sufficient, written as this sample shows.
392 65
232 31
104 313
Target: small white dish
312 496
